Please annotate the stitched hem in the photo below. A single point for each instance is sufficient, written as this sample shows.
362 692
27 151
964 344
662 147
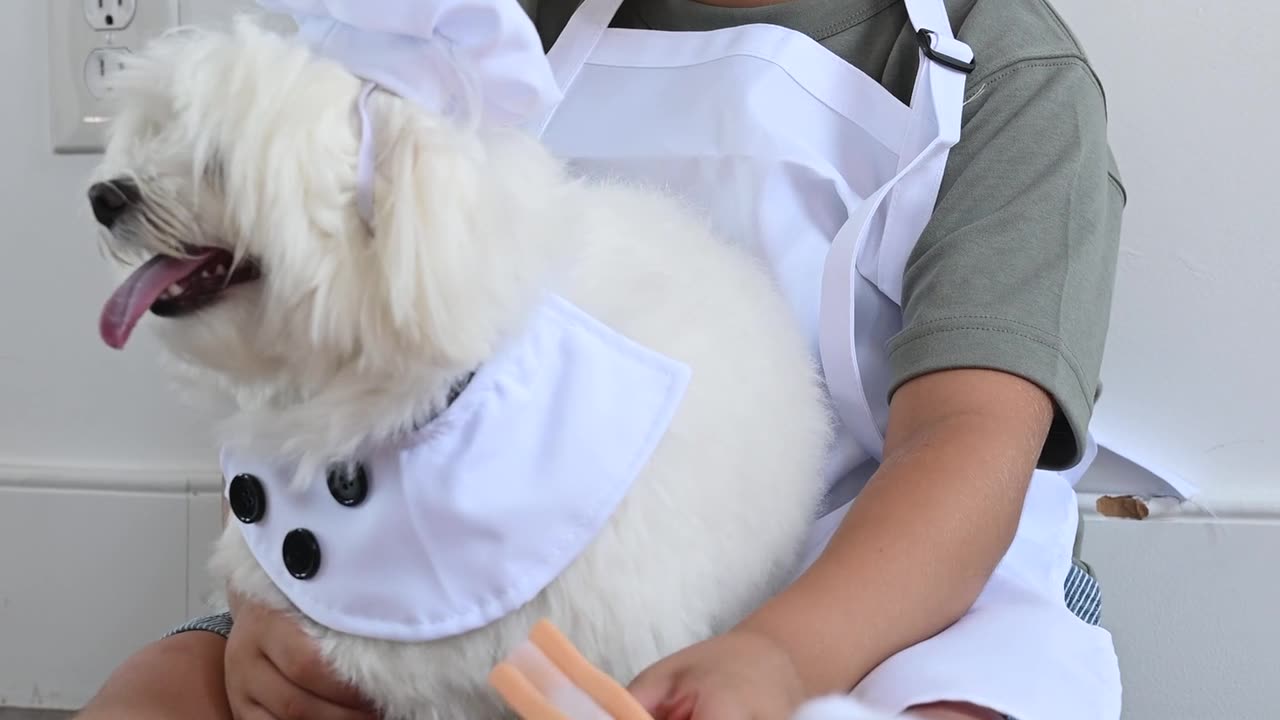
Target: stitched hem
1010 346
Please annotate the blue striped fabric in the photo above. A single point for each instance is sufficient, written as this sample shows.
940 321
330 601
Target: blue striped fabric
1083 594
220 624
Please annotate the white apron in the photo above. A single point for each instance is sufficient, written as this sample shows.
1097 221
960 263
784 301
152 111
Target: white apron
799 156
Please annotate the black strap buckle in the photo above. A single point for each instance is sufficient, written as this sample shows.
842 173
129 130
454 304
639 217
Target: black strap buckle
925 36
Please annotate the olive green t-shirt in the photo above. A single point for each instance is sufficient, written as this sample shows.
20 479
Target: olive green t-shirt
1014 271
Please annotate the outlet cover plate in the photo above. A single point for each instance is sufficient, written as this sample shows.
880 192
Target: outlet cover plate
110 14
77 118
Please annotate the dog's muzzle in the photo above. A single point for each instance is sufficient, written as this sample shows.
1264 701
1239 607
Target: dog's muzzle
113 198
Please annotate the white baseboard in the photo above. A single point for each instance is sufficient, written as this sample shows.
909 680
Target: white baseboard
170 480
97 562
1194 607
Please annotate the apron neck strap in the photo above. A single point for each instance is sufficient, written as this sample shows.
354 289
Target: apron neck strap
576 41
937 40
588 23
863 281
937 104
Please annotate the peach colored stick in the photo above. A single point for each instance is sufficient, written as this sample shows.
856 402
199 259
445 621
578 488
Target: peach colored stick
521 695
611 696
528 701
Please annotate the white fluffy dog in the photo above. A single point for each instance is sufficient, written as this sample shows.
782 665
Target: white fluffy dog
231 171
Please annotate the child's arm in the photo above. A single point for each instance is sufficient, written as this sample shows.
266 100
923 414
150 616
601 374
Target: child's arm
926 533
910 558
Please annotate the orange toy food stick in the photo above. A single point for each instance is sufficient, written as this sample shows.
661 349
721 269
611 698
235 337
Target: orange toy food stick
548 679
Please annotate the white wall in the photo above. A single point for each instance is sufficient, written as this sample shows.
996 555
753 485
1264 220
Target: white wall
108 486
1193 608
65 399
1189 374
1193 90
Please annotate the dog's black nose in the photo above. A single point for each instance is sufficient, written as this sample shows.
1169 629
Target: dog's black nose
112 198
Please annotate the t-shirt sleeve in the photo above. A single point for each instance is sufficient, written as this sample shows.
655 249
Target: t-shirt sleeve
1015 270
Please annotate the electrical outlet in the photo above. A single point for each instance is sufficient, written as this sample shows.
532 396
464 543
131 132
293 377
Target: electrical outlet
101 68
85 48
110 14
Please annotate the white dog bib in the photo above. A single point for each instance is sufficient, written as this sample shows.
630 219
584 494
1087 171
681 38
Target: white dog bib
469 517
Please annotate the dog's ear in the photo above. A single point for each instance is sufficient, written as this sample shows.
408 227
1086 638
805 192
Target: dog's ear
460 228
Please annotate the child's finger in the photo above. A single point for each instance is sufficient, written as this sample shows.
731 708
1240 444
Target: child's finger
680 706
653 688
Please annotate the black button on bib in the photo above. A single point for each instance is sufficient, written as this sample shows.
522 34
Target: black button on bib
247 499
349 485
301 553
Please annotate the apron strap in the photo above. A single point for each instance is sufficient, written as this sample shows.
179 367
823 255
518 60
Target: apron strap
937 102
863 274
576 42
930 16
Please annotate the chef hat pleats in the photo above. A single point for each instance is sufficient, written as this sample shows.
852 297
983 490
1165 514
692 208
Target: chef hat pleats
459 57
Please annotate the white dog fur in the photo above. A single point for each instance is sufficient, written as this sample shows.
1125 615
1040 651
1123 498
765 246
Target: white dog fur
246 140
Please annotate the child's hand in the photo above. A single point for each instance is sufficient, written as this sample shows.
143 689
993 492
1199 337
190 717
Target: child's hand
741 675
274 672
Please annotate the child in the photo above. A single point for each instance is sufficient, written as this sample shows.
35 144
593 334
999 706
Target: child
927 592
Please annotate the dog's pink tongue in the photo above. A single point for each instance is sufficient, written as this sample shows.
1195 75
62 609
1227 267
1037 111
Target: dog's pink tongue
134 297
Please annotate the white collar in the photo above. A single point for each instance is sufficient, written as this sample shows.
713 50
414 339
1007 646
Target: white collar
471 516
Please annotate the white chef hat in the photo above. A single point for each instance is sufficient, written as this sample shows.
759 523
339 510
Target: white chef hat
447 55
